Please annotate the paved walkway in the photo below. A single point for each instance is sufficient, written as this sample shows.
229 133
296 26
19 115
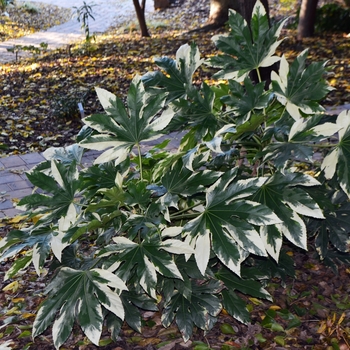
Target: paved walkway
14 184
13 181
105 12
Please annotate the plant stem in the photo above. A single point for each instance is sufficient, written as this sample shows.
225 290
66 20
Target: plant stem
140 160
258 73
184 216
187 209
323 145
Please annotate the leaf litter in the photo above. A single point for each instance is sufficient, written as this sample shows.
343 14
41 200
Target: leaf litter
24 18
38 109
39 97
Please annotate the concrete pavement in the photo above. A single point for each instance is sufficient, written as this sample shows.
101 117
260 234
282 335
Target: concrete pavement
105 12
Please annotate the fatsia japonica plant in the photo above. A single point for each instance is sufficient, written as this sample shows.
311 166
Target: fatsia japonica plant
188 231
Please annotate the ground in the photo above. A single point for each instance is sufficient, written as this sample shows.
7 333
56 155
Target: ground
38 109
39 97
309 311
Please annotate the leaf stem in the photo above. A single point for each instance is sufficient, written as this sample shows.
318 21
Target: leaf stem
184 216
187 209
324 145
258 73
315 145
140 160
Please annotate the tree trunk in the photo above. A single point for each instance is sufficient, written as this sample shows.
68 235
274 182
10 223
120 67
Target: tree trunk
246 8
161 4
307 19
218 14
140 12
219 9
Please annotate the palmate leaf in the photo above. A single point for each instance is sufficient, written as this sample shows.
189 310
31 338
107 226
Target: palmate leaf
65 155
281 153
243 100
299 88
197 112
133 302
146 260
38 239
19 264
296 147
247 48
235 306
246 286
79 295
335 228
178 79
121 129
102 176
312 129
180 180
200 310
339 159
280 194
227 223
63 186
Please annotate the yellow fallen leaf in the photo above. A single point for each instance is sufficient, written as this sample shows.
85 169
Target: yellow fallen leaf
18 300
36 218
322 328
11 287
255 301
17 219
341 318
274 307
13 311
28 315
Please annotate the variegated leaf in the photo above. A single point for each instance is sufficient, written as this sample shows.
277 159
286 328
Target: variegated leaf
78 295
272 239
176 246
299 88
247 48
122 128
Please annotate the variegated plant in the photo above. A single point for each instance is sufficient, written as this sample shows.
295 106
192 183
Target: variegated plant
188 231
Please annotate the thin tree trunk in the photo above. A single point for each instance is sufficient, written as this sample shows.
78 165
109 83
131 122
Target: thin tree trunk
307 19
219 9
140 12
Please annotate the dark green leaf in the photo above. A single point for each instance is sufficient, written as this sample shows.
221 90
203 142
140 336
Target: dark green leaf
245 286
235 306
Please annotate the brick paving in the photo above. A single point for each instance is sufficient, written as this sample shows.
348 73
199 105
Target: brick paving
14 184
